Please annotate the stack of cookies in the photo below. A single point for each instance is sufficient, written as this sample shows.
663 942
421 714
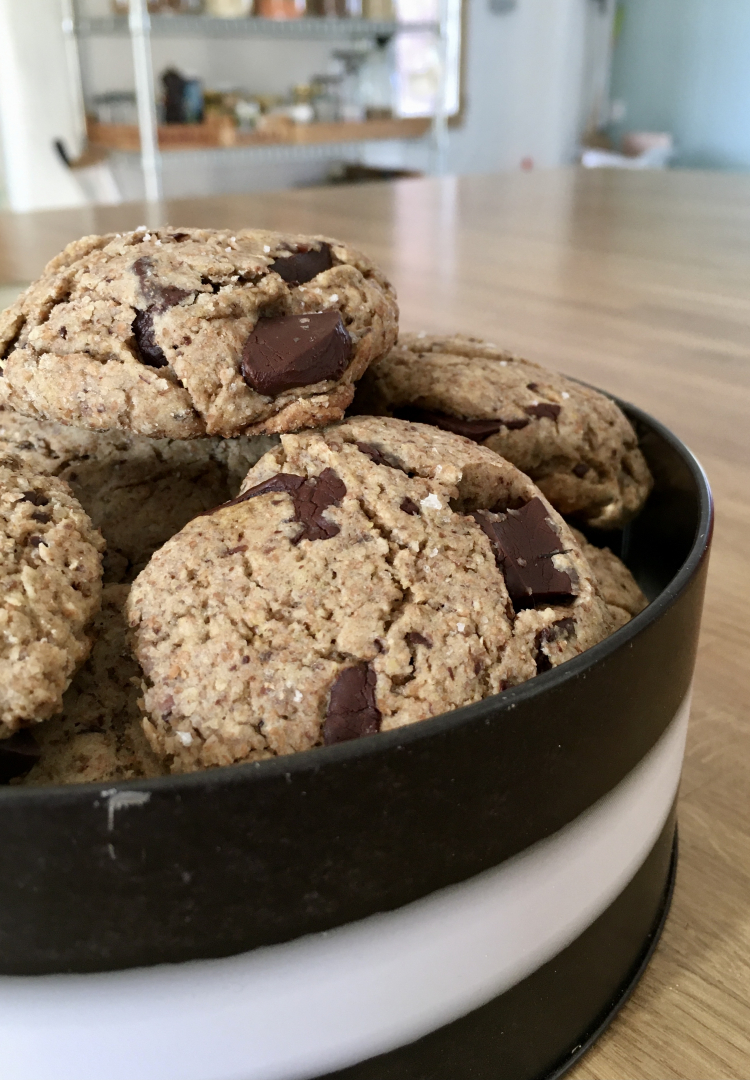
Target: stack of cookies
204 562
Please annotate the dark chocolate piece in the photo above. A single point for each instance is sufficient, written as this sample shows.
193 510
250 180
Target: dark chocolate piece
352 711
543 410
159 297
35 497
581 469
532 386
18 755
303 265
523 543
310 497
415 638
35 541
11 344
296 350
41 517
409 506
376 455
476 430
150 353
561 628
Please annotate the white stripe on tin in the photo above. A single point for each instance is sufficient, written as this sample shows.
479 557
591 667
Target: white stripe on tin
300 1010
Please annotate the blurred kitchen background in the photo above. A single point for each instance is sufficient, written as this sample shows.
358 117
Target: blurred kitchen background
107 100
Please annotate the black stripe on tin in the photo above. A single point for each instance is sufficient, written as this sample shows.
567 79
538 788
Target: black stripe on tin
539 1028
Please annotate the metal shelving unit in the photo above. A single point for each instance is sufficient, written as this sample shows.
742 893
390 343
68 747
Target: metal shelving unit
140 27
309 28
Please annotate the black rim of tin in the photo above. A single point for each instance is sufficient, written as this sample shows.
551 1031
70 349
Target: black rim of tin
318 757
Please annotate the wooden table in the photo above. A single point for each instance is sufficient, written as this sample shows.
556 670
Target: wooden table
639 283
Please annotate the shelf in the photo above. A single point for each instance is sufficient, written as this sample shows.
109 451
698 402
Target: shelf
204 26
222 133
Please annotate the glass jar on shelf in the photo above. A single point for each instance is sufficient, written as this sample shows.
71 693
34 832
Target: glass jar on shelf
332 9
379 10
280 9
161 7
229 9
326 98
377 81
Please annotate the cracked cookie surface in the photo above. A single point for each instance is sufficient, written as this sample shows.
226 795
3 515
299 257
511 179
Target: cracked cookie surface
137 491
575 443
50 587
99 736
184 332
357 584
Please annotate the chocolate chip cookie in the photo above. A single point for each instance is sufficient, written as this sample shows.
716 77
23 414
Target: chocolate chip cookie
368 576
99 736
50 572
183 332
575 443
621 592
137 491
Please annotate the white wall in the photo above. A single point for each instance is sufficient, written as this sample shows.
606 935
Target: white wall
528 85
36 106
684 66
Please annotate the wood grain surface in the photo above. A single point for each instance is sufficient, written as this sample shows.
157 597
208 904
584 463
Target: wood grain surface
639 283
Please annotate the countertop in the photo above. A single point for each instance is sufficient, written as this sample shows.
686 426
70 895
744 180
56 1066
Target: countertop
639 283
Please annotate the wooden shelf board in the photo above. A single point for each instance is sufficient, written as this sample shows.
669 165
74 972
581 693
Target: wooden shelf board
218 134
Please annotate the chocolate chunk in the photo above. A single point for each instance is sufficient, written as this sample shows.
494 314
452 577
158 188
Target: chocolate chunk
415 638
543 409
532 386
149 352
41 517
409 506
376 455
12 342
581 469
352 711
295 350
303 265
35 497
35 541
310 497
523 543
476 430
157 295
18 755
561 628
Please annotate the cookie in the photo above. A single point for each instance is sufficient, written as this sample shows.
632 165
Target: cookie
621 592
368 576
50 571
183 332
575 443
137 491
99 736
